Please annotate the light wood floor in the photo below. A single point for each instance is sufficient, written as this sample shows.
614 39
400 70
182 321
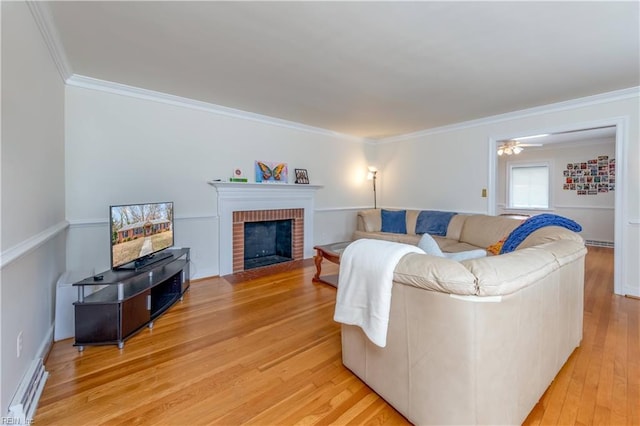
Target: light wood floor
267 352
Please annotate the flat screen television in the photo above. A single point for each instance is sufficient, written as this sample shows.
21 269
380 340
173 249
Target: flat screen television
139 232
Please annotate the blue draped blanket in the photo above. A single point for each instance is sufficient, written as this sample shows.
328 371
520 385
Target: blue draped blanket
433 222
533 223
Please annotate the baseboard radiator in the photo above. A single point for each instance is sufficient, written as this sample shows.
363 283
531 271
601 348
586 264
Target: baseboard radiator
24 403
596 243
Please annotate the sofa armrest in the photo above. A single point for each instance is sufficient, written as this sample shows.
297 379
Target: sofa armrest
565 251
369 220
549 234
482 230
510 272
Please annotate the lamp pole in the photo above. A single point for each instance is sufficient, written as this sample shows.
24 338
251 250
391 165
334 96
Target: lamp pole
375 206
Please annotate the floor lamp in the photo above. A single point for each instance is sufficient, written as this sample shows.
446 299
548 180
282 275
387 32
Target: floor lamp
372 176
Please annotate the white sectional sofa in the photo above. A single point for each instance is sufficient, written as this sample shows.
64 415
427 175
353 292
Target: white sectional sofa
477 341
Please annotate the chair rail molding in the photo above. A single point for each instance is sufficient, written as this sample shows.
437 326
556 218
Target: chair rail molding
31 243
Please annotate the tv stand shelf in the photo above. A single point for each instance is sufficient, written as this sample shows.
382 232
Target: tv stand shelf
129 300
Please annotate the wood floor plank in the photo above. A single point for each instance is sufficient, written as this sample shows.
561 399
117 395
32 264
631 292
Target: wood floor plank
587 402
266 351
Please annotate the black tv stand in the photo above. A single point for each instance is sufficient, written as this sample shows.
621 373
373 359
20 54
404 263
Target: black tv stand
129 299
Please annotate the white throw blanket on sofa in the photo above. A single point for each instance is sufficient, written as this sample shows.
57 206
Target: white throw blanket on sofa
364 285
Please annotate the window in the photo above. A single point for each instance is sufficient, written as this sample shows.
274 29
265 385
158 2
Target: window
528 186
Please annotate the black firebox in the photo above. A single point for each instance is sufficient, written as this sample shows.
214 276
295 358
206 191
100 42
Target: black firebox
267 243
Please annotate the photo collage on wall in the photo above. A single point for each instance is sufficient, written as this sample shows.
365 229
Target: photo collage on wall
596 176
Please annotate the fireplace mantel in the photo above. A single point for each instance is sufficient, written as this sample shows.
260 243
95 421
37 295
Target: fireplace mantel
260 196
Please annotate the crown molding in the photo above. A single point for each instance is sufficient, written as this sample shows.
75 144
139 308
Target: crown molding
150 95
44 21
42 16
617 95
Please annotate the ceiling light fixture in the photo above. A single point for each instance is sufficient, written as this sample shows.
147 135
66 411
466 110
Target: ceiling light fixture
513 146
509 148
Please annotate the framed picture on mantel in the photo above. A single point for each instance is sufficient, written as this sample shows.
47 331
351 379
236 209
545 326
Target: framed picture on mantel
271 172
302 176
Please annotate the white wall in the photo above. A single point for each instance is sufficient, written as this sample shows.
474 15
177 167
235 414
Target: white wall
124 149
33 220
447 168
595 213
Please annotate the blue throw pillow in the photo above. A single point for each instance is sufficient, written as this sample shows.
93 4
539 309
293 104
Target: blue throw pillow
433 222
394 221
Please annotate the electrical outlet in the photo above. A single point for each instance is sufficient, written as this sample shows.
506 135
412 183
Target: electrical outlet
484 192
19 345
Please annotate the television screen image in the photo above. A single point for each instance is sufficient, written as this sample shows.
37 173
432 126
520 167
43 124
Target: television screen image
138 231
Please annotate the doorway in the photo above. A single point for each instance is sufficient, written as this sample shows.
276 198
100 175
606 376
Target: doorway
565 136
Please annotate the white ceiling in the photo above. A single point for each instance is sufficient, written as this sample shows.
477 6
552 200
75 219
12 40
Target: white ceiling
368 69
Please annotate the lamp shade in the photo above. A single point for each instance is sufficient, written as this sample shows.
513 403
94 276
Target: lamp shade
371 174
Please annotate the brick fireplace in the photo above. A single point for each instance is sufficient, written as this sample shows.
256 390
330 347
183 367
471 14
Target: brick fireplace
239 202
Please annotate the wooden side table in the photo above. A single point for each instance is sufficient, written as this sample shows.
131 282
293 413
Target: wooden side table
332 253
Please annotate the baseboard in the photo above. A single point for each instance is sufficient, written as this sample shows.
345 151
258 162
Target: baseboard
22 408
250 274
32 383
597 243
46 345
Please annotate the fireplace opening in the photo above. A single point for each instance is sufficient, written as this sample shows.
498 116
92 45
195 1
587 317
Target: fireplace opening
267 243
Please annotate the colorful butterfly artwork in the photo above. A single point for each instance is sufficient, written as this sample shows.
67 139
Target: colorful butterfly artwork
271 172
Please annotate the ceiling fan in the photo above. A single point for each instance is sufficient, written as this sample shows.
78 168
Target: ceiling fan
514 146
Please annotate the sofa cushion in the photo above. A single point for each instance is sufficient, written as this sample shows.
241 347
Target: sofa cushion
446 245
394 221
370 220
455 226
430 246
451 246
412 217
389 236
482 231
